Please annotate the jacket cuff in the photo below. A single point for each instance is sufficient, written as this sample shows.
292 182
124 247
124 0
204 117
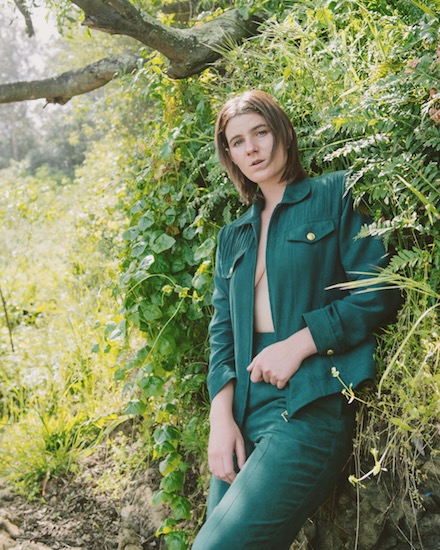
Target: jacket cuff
324 332
219 378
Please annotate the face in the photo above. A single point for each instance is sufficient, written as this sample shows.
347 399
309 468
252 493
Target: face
250 144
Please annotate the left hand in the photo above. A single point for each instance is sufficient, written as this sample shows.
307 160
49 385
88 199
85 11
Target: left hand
277 363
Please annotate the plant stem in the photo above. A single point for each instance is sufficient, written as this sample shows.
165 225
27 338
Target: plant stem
8 324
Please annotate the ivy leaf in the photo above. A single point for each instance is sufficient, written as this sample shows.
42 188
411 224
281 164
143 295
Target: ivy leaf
170 463
181 507
166 433
152 386
205 249
138 249
150 312
119 332
173 482
162 243
136 407
146 221
146 262
176 541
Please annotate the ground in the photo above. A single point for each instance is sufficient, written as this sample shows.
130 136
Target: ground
85 510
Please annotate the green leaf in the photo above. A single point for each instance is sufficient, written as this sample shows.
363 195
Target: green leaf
146 262
401 424
176 541
162 243
181 507
135 407
146 221
170 463
173 482
150 312
166 433
205 249
119 332
138 249
152 386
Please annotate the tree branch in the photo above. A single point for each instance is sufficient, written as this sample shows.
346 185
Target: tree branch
21 5
61 88
189 51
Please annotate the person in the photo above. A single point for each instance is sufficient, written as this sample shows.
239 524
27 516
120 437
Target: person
280 428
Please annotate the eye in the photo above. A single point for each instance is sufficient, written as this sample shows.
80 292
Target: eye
262 133
237 142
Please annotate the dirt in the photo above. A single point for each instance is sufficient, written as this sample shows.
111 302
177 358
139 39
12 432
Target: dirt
74 512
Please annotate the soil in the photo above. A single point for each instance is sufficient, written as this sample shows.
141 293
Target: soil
76 513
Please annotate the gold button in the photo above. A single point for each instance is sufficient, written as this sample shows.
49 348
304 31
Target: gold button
330 352
311 236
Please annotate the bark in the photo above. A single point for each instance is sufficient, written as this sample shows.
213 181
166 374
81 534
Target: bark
21 5
61 88
189 51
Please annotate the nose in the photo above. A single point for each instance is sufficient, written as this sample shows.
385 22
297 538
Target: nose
250 145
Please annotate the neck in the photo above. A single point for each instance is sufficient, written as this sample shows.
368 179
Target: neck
272 194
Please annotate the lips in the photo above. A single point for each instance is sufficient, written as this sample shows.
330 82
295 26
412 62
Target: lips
256 162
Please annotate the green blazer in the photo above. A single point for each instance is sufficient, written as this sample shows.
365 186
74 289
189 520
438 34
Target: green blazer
311 245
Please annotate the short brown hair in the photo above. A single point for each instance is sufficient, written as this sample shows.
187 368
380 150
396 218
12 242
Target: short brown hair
257 101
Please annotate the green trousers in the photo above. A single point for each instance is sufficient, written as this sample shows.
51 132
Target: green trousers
290 470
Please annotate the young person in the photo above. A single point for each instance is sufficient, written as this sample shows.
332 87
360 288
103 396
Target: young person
280 429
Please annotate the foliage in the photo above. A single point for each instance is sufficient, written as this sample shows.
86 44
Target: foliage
356 81
57 387
360 82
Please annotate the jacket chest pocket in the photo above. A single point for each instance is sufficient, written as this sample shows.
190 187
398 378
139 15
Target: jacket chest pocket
311 233
229 265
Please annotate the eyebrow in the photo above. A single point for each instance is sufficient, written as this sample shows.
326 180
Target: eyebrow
252 130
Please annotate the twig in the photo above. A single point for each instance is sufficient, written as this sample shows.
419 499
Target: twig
8 324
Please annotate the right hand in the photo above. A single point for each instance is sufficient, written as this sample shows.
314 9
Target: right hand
225 440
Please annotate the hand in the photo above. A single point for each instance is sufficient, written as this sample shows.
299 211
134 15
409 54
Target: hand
225 437
277 363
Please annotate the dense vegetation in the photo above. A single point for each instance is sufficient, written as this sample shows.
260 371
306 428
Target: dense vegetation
120 326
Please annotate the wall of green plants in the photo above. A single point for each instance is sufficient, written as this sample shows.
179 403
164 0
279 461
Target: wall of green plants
360 81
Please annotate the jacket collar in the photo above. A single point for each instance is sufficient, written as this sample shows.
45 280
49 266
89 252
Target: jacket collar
294 192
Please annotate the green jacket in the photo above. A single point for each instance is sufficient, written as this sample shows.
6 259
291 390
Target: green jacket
311 246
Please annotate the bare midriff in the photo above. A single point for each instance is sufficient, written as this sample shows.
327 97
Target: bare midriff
262 314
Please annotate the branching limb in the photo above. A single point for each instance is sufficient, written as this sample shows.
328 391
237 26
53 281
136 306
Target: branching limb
61 88
22 6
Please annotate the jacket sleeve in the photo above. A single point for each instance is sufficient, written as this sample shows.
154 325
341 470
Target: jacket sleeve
222 360
346 322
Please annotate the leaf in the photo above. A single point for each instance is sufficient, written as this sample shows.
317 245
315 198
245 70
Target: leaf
176 541
138 249
401 424
205 249
149 312
166 433
162 243
136 407
146 221
119 332
173 482
170 463
152 386
181 508
146 262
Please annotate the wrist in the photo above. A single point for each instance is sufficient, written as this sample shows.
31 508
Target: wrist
303 343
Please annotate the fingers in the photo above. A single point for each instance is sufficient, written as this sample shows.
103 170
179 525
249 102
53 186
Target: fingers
223 468
240 453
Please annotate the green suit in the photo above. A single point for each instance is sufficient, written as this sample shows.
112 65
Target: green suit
311 245
297 439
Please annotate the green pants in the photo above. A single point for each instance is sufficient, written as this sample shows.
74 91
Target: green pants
290 470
